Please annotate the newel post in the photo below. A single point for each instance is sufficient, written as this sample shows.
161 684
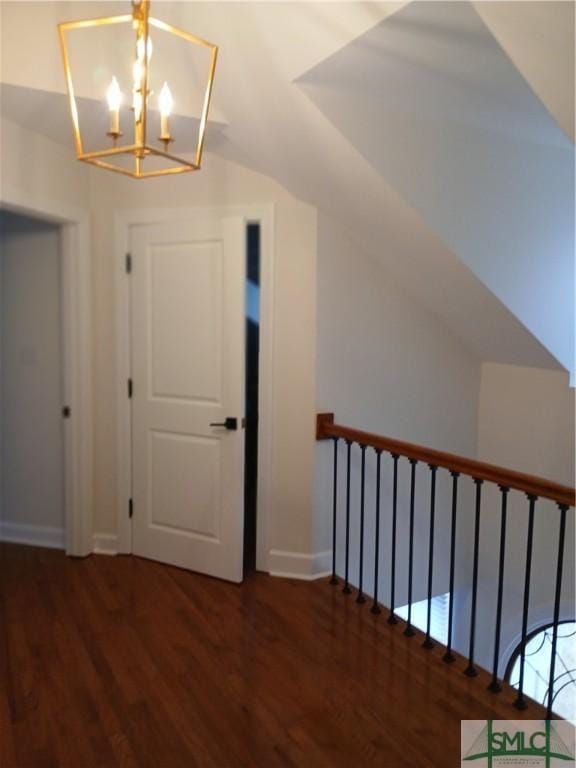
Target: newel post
322 421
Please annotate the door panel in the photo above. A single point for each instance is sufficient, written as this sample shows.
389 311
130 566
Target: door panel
172 457
188 372
186 292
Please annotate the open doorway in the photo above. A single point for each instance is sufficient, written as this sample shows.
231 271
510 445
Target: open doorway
32 483
251 394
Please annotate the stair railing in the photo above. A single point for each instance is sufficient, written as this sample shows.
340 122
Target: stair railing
534 488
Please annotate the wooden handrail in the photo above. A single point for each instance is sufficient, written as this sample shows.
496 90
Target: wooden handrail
508 478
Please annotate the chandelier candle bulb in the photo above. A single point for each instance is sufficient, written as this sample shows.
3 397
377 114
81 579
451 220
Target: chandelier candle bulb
141 48
137 73
137 106
114 98
165 102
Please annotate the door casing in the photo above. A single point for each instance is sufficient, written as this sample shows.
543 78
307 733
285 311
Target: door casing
263 215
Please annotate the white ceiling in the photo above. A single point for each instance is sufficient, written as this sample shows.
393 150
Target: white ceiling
539 38
265 115
438 60
439 110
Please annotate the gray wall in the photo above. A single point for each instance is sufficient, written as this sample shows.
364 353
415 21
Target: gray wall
388 366
32 490
525 422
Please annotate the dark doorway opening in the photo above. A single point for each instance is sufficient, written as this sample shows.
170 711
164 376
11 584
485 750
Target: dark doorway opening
251 390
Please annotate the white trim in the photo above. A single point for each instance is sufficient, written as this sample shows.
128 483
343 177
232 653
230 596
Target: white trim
33 535
105 544
295 565
264 214
77 355
1 380
123 372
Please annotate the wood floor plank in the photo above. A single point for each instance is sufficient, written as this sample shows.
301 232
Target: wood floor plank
119 662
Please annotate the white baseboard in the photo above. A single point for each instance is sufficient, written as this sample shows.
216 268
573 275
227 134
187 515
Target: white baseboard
295 565
34 535
105 544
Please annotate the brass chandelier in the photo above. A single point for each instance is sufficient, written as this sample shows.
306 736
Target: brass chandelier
134 157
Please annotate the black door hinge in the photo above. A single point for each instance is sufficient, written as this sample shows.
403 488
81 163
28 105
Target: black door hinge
130 508
128 263
130 388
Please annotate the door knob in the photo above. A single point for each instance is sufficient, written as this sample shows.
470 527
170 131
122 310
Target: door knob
229 422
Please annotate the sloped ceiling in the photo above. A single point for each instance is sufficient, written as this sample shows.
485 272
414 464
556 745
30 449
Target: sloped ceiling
278 64
539 39
437 107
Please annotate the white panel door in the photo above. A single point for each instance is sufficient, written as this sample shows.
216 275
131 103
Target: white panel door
188 373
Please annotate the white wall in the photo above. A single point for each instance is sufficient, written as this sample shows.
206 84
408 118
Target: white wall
35 169
31 371
294 339
388 366
526 422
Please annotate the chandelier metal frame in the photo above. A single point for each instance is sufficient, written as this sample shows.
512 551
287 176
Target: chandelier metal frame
140 149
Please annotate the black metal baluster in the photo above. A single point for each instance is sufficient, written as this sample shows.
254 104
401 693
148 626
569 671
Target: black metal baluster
360 598
375 607
334 580
560 564
346 588
471 670
392 618
495 686
520 702
433 469
409 632
449 656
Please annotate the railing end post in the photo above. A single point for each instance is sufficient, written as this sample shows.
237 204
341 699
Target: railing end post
322 421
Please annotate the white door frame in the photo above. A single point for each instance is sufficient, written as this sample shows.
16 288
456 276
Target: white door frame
77 358
264 215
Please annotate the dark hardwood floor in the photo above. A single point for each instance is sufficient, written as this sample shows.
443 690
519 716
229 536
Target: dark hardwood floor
118 661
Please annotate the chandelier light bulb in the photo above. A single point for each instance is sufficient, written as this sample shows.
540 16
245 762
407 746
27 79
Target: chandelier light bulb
165 102
114 99
114 96
140 48
137 104
137 73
